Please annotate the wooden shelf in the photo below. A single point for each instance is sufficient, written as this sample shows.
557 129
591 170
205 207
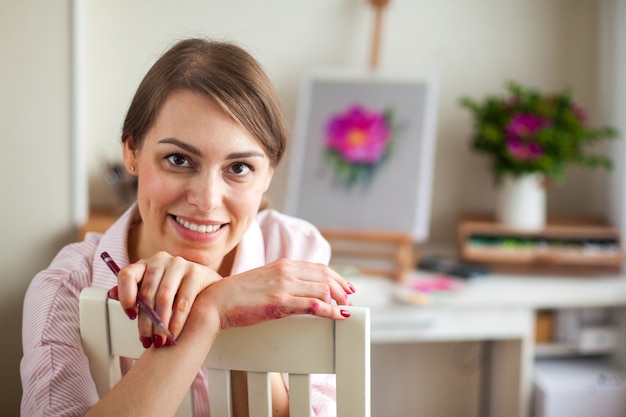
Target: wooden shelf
564 244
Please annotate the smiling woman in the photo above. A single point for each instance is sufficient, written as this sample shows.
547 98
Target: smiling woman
203 135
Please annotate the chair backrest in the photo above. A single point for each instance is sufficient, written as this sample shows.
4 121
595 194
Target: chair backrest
296 345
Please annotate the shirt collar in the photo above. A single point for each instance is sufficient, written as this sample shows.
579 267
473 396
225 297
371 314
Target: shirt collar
115 242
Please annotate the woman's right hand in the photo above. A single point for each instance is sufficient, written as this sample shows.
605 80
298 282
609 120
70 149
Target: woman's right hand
170 284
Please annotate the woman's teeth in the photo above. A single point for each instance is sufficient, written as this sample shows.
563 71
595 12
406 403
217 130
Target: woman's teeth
202 228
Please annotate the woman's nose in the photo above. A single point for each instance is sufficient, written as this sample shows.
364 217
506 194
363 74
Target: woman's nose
205 192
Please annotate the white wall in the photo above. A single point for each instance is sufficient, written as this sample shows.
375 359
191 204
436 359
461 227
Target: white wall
474 46
36 156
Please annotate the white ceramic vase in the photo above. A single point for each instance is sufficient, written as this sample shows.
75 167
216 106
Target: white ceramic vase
522 202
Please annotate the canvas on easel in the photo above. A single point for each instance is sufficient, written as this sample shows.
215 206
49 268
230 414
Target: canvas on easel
363 151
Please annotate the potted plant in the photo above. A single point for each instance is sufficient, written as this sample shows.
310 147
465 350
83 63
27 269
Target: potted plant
531 138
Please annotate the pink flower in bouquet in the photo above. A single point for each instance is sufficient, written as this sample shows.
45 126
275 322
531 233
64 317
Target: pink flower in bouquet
524 125
358 136
520 132
524 151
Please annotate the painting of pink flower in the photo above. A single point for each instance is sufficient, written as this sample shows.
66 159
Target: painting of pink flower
358 136
356 141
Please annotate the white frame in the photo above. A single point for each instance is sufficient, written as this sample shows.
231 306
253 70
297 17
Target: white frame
412 193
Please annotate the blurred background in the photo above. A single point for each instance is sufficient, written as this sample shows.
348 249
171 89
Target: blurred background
473 47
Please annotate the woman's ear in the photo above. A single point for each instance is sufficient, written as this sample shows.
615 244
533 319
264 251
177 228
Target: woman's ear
129 153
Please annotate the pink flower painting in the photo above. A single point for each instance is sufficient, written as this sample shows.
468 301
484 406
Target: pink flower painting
356 141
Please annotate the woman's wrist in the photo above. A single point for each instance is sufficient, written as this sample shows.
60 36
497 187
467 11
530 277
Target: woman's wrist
204 317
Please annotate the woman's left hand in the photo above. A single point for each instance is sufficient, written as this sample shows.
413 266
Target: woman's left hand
276 290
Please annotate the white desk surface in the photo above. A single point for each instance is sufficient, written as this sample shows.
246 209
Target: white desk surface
503 291
495 306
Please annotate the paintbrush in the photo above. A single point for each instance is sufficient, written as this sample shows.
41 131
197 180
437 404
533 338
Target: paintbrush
142 302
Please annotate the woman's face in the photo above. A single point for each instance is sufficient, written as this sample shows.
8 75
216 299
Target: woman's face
201 177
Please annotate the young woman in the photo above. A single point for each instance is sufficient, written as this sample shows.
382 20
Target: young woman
203 134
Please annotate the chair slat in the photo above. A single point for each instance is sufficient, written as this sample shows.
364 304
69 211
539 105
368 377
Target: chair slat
300 395
259 394
219 387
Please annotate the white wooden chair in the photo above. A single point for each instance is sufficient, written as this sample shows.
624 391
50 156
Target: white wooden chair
297 345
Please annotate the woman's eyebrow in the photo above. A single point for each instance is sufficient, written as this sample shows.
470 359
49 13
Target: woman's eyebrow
245 154
187 147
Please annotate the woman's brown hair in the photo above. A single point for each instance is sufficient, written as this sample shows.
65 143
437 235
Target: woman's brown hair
222 71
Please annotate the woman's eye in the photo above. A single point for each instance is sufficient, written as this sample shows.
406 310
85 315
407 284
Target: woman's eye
178 160
240 168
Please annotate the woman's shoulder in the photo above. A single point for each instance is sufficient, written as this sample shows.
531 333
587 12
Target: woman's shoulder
71 265
51 301
291 237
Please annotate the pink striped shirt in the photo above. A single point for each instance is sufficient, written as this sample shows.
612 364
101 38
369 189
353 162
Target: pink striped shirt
56 380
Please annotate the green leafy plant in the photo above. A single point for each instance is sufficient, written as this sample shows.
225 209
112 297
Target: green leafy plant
529 132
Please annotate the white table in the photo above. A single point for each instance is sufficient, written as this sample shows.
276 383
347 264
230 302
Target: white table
499 309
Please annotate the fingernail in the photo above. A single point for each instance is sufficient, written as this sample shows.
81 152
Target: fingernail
169 342
351 287
113 293
131 313
146 341
158 341
345 313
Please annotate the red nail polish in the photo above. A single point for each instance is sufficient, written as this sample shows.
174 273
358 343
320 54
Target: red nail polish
169 342
345 313
158 341
146 341
131 313
351 287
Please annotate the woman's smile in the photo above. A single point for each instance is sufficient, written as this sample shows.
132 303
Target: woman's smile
195 227
197 232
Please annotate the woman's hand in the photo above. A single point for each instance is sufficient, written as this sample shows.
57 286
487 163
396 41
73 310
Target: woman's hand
170 284
277 290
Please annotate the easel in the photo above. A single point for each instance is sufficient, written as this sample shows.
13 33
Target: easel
379 8
377 253
374 253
